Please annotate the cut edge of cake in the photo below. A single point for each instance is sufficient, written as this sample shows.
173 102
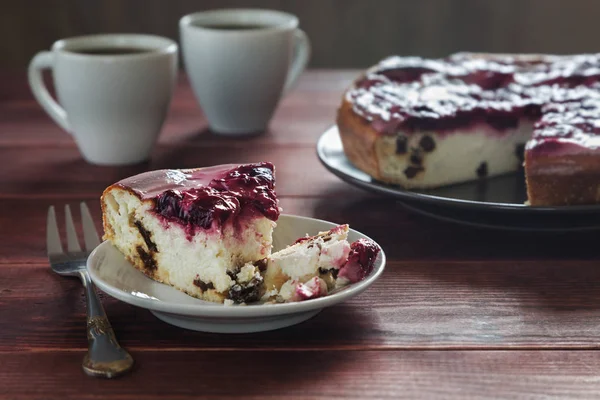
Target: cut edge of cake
419 160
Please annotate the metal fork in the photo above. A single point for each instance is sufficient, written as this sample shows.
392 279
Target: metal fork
105 357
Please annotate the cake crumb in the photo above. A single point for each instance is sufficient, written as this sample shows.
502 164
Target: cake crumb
247 272
269 294
228 302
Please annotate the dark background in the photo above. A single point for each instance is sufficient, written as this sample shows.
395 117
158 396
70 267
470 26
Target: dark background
344 33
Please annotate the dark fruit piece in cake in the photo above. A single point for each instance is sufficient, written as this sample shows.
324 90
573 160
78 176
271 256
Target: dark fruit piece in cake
416 158
482 170
427 144
361 260
203 285
247 292
401 145
412 171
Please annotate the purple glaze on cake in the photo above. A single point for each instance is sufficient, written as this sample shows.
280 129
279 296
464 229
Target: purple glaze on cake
310 290
415 94
150 184
570 127
199 197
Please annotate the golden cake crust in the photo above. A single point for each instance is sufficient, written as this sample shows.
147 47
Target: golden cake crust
578 182
359 140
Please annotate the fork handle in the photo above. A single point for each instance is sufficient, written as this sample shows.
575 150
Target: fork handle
105 357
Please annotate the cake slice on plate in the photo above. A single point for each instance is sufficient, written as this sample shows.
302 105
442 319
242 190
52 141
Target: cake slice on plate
208 232
195 228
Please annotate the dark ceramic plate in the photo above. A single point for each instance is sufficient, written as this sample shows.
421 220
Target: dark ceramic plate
534 222
501 196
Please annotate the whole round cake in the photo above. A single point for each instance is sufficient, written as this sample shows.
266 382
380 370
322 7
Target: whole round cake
426 123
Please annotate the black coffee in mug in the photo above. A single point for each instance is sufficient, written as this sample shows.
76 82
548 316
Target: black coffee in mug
112 51
233 27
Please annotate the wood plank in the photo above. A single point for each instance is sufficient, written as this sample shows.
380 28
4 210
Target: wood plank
402 234
300 118
415 305
61 170
310 375
445 287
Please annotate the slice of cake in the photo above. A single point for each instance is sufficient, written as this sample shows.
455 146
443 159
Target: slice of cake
562 162
194 229
208 232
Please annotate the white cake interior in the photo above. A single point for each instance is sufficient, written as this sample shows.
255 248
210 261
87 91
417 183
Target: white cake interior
456 157
309 260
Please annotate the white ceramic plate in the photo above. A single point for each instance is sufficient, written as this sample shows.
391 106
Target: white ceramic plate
114 275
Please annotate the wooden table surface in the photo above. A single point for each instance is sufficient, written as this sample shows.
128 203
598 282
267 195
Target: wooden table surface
458 312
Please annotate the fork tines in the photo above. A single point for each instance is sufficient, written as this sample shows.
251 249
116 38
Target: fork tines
90 235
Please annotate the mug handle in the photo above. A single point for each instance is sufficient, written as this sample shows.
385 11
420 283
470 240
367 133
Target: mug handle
301 56
43 60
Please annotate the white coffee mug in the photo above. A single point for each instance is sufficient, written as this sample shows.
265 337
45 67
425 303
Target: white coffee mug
113 91
240 62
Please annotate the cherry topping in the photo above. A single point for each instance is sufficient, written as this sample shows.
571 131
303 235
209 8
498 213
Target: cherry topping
248 187
412 94
361 260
